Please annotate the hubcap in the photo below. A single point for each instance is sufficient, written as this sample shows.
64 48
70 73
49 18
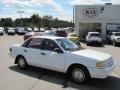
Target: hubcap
78 75
21 62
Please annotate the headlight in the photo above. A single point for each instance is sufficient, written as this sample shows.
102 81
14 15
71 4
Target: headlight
101 64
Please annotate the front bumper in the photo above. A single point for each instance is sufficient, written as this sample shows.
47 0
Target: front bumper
101 73
1 33
118 41
11 33
21 33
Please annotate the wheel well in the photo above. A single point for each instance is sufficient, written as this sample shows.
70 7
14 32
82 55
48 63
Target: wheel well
16 59
114 40
77 65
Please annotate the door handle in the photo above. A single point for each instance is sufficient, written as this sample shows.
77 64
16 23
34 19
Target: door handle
25 50
43 54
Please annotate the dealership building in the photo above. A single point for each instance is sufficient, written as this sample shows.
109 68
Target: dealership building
102 18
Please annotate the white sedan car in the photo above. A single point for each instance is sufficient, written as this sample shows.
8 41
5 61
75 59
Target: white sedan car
62 55
11 31
93 37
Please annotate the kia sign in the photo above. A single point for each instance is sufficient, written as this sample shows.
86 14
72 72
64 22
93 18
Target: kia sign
91 12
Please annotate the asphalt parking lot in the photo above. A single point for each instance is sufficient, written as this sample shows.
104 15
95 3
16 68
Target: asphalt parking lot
12 78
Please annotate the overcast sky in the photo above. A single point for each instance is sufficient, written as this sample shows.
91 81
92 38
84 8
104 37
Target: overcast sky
57 8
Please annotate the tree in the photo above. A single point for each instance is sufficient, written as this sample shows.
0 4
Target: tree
6 22
35 19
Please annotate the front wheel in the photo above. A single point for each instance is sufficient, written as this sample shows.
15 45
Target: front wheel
114 43
79 74
22 63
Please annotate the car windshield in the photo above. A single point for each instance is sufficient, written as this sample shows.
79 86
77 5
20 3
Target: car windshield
67 44
117 34
94 34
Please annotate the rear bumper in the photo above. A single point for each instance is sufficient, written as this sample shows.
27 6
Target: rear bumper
101 73
1 33
95 41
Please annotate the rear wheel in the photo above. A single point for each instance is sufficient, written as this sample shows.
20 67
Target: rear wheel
22 64
79 74
87 43
101 44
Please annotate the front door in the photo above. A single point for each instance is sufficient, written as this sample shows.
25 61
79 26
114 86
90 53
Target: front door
51 59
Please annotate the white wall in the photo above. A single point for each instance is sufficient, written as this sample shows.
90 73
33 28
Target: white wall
110 14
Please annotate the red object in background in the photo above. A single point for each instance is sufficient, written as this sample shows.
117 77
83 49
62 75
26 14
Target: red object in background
31 34
61 33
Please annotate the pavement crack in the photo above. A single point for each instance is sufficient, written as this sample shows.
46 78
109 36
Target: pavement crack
34 85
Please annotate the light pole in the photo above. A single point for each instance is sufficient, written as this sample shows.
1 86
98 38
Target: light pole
73 15
20 12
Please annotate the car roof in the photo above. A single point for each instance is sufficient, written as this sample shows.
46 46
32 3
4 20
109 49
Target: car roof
48 37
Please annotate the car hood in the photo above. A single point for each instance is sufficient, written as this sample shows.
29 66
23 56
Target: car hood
92 54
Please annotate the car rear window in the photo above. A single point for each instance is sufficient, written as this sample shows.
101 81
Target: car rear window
117 34
35 43
94 34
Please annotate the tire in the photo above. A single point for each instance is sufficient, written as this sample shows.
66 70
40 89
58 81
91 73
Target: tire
79 74
114 43
22 64
87 43
101 44
1 34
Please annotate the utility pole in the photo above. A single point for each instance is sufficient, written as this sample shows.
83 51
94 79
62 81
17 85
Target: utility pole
73 15
20 12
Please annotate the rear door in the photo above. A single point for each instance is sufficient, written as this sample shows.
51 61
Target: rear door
32 52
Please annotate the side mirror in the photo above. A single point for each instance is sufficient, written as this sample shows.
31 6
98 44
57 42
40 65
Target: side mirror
58 50
79 44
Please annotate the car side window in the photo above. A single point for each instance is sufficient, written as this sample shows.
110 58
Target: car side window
35 43
49 45
25 44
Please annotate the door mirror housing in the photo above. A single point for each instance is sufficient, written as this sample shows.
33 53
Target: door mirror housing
58 50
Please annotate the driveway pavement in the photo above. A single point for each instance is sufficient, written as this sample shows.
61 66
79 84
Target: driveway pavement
12 78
